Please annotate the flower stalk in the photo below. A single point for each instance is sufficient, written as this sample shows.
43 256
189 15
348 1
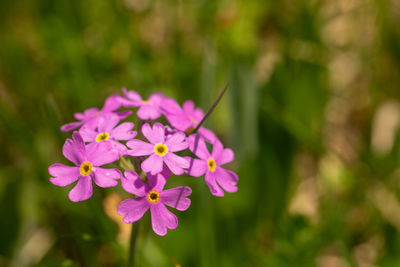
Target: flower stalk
211 109
132 245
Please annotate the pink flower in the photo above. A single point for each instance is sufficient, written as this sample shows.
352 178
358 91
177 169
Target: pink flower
106 130
153 197
87 161
185 119
210 165
160 149
148 109
90 116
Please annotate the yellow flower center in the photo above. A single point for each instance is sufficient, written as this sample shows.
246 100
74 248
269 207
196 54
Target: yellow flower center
153 196
211 164
161 149
86 168
145 102
102 137
193 120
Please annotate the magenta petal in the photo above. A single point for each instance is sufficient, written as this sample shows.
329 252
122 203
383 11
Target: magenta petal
90 113
133 184
170 106
156 134
123 114
123 131
226 156
74 150
188 107
176 142
207 134
106 177
197 167
88 134
177 197
212 184
158 181
119 147
71 126
79 116
135 98
180 121
162 218
133 209
112 103
153 164
175 163
226 179
79 143
156 99
198 114
63 175
101 153
107 122
198 146
139 148
148 111
82 190
217 149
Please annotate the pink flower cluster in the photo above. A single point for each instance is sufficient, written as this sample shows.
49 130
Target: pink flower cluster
103 139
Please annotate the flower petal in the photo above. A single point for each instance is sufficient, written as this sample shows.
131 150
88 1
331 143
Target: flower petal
156 134
226 179
158 181
112 103
101 153
133 209
132 183
63 175
176 142
226 156
90 113
148 112
123 131
180 121
156 99
212 184
177 197
133 96
139 148
153 164
176 163
123 114
162 218
170 106
198 146
207 134
106 177
107 122
82 190
88 134
197 167
217 149
71 126
188 107
74 149
122 150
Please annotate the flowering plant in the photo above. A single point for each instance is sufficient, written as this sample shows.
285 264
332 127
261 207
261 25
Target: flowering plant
155 150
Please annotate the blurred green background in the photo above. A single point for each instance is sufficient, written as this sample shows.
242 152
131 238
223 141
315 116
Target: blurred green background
312 113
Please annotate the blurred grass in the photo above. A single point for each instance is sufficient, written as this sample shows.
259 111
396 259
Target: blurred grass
312 113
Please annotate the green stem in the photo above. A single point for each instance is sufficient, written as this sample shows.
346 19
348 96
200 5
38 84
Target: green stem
211 109
132 244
